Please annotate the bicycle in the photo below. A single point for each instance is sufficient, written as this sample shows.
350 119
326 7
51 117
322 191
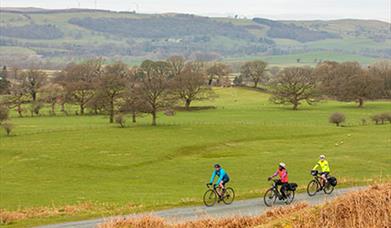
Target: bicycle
211 196
273 193
315 186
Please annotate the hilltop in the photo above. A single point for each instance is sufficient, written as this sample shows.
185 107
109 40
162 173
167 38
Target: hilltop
60 36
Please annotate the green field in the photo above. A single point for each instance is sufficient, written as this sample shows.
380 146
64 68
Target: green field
306 58
55 161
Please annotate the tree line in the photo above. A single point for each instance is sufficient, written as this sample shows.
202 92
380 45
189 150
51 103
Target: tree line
347 81
110 89
156 86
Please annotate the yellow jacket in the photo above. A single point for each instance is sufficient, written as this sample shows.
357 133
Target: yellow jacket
324 166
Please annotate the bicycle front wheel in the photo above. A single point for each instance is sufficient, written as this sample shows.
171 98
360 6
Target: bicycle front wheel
210 198
229 195
328 189
312 188
270 197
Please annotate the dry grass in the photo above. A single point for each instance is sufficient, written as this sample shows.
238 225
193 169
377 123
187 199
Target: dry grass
9 217
361 209
231 222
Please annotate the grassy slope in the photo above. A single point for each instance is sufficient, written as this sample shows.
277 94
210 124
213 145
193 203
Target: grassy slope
66 160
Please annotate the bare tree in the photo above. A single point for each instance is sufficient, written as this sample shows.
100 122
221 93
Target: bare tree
155 87
52 93
34 80
132 101
217 71
348 81
294 85
18 93
177 64
381 73
79 81
190 84
254 71
111 85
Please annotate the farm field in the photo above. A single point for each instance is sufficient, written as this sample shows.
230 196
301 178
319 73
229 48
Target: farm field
57 161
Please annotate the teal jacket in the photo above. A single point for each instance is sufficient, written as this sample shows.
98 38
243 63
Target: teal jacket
221 174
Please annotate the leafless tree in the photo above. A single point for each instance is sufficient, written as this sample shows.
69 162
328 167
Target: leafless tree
348 81
52 93
294 85
79 81
34 80
190 84
254 71
111 85
217 71
154 87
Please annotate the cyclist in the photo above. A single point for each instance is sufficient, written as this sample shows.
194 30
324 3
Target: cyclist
223 177
325 169
283 181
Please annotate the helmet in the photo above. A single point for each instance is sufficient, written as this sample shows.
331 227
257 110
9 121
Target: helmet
322 156
282 165
217 166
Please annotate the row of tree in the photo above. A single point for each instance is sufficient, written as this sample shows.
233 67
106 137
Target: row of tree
347 81
160 85
152 87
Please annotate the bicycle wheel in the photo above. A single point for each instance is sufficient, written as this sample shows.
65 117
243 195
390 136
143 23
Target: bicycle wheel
328 189
312 188
229 195
270 197
290 195
210 198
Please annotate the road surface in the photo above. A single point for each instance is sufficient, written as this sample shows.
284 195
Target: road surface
248 207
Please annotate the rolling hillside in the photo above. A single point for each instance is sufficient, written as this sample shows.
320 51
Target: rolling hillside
59 36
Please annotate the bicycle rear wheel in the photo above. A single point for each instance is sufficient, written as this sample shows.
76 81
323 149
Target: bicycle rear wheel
328 189
290 195
229 195
270 197
312 188
210 198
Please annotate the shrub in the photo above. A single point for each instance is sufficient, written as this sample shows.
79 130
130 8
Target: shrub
385 116
376 118
381 118
8 127
337 118
120 119
3 113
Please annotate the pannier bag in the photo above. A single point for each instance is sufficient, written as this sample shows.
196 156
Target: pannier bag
292 186
332 181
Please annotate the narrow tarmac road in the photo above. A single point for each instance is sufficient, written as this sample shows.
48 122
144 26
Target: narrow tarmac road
248 207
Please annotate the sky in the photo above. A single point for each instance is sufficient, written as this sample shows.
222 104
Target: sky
273 9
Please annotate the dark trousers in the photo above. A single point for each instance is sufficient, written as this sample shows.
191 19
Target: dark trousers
284 187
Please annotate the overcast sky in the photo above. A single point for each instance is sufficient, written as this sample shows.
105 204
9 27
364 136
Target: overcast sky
275 9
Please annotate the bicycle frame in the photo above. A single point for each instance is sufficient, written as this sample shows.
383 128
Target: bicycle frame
275 188
214 188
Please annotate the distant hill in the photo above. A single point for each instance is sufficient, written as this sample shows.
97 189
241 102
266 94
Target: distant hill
60 36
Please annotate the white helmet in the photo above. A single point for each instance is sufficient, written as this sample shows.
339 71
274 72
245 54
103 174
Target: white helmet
282 164
322 156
